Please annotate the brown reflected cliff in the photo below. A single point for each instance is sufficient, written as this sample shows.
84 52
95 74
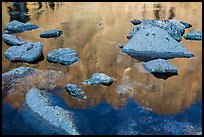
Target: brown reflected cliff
92 30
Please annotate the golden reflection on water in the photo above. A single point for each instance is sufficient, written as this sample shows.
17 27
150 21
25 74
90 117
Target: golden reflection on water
92 29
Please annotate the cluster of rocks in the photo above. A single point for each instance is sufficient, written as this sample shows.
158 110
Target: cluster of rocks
155 41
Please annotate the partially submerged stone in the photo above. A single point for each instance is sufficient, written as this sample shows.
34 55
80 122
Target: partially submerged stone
196 35
75 91
98 78
187 25
27 52
135 22
64 56
119 45
153 43
160 66
17 26
173 27
13 40
51 33
39 113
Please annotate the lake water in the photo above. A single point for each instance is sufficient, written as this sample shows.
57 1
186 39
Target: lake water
137 102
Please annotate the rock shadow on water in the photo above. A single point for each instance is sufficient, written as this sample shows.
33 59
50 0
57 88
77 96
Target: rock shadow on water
164 75
41 58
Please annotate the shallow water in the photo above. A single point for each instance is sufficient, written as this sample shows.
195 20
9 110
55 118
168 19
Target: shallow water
136 97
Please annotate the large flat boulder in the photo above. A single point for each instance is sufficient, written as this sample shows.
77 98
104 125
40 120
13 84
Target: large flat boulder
48 119
51 34
160 66
12 40
27 52
152 43
64 56
173 27
17 26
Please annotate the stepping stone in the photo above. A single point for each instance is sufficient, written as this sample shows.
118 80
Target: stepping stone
51 34
196 35
12 40
27 52
64 56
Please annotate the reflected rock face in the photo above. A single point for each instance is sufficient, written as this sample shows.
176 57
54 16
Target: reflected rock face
64 56
153 43
17 26
48 119
98 78
196 35
51 33
160 66
12 40
27 52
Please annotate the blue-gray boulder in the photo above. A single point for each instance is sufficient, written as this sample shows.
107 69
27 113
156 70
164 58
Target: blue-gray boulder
160 66
48 119
17 26
173 27
153 43
27 52
75 91
196 35
12 40
135 22
51 33
64 56
98 78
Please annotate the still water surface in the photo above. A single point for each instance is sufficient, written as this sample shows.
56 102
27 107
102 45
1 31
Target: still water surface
92 29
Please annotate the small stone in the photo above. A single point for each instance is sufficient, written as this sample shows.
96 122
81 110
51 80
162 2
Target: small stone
196 35
135 22
13 40
119 45
51 33
64 56
75 91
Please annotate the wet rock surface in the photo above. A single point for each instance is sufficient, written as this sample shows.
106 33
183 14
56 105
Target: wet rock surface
27 52
173 27
64 56
160 66
46 118
135 22
51 34
75 91
17 26
196 35
98 78
153 43
12 40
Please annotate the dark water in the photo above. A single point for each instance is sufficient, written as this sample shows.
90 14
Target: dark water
137 102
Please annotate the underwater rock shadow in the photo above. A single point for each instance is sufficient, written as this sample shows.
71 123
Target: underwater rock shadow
41 58
164 75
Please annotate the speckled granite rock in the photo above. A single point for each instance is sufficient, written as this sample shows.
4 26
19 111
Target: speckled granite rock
12 40
46 118
160 66
98 78
17 26
196 35
75 91
173 27
64 56
51 33
135 22
153 43
27 52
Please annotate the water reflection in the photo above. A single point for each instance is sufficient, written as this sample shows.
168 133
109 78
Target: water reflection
98 53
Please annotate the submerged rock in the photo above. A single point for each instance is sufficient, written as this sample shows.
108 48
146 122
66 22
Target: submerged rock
173 27
75 91
160 66
153 43
187 25
13 40
98 78
196 35
39 112
27 52
51 33
135 22
64 56
17 26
